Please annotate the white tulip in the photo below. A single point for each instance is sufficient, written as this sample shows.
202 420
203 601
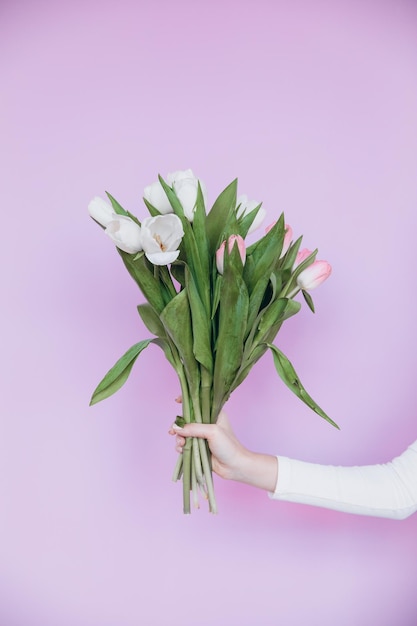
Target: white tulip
185 185
125 233
101 211
179 175
186 190
246 207
161 236
156 196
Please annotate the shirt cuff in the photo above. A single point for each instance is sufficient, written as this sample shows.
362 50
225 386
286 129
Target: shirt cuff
283 479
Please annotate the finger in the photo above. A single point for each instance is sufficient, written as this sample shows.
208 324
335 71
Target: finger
180 441
204 431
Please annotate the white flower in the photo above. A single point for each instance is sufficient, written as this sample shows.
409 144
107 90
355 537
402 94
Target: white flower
156 196
173 177
125 233
101 211
161 236
185 185
246 207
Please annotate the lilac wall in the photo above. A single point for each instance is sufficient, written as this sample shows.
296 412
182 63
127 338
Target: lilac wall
313 105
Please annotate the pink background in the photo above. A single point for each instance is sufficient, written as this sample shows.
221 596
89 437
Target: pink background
313 106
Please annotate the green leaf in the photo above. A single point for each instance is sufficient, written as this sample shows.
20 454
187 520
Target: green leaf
144 278
234 305
201 325
216 295
289 259
257 298
151 320
246 222
120 210
265 253
152 210
178 272
279 311
289 376
199 229
172 197
119 373
169 350
308 299
218 216
176 318
246 367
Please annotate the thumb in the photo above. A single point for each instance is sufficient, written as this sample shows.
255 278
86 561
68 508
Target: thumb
194 430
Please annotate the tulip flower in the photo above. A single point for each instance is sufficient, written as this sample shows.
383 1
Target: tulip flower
156 196
185 185
125 233
302 255
314 275
186 189
173 177
101 211
245 206
232 240
287 237
161 237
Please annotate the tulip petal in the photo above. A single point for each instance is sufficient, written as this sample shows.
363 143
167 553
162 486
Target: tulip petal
162 258
125 234
101 211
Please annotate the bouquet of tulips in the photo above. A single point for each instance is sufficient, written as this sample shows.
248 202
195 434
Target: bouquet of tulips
214 305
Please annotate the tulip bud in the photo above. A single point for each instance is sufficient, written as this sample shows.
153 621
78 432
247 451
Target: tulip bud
125 233
232 240
314 275
101 211
185 185
302 255
179 175
245 206
156 196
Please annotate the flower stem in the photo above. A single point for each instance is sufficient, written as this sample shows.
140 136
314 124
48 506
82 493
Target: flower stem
178 469
206 382
186 478
208 476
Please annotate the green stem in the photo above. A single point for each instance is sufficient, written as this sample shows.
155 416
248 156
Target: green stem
186 477
208 475
178 469
194 487
206 382
197 462
186 454
167 280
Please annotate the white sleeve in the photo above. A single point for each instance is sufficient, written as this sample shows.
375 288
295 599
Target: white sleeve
388 490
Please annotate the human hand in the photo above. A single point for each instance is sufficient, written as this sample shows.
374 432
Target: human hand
230 459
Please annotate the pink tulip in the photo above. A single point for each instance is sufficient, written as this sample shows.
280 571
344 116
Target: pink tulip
314 275
287 237
233 239
301 256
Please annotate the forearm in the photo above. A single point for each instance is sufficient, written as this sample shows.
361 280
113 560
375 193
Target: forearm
388 490
256 469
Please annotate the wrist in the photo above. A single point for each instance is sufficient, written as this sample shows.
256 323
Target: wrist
257 469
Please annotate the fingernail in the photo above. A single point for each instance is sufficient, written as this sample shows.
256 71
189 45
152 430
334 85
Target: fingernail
176 427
